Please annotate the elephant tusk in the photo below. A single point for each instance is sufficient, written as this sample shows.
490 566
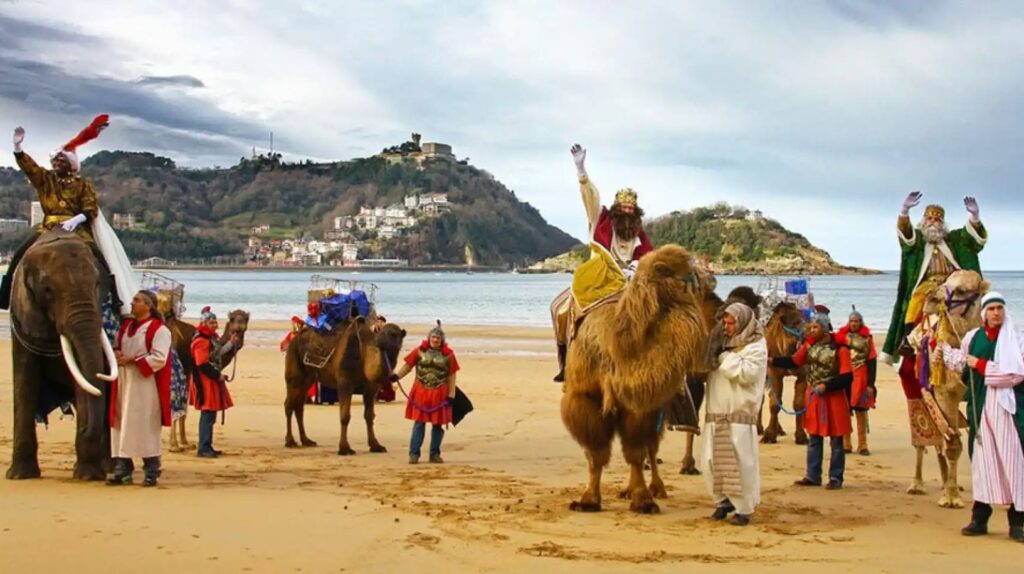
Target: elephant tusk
111 359
69 359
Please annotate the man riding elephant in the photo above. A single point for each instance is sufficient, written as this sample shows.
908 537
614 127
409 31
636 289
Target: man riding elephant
69 201
930 252
616 234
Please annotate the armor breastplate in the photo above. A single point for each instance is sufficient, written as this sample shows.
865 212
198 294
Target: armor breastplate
432 369
821 363
858 349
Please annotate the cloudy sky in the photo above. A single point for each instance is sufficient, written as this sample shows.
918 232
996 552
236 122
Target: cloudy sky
823 115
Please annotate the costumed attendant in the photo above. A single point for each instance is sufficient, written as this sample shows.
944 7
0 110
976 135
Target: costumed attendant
140 398
432 392
734 392
992 362
619 230
210 393
863 358
69 201
829 376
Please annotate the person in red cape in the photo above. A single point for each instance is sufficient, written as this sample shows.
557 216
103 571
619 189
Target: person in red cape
864 360
619 229
209 386
432 392
829 376
140 397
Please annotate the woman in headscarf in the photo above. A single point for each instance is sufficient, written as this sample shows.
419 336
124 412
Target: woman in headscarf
432 392
734 392
992 362
140 398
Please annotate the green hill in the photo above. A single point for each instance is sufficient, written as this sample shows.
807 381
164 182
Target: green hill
202 213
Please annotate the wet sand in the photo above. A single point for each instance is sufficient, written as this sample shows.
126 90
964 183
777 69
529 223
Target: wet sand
498 504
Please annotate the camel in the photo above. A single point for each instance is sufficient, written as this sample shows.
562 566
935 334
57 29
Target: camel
784 334
351 359
950 311
627 361
182 334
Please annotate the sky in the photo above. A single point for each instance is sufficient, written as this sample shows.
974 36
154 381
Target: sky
823 115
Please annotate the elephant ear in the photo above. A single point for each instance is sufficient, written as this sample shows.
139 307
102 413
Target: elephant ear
30 316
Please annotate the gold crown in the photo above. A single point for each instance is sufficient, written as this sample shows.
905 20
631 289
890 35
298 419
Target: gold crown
935 211
625 195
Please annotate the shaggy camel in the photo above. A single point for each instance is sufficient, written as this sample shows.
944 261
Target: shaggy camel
352 360
626 362
951 310
783 334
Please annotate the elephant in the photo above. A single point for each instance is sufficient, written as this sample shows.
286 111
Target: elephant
60 352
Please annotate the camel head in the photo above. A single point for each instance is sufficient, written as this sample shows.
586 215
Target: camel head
960 297
785 329
389 341
237 323
666 285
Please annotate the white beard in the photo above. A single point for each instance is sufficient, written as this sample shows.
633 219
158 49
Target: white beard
934 233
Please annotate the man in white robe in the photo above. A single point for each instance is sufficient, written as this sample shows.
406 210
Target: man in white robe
734 391
140 399
992 360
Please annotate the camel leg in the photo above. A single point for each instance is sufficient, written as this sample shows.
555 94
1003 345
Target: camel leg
174 446
345 413
369 398
917 487
799 401
300 418
182 439
657 487
594 432
289 410
950 490
638 435
689 464
774 430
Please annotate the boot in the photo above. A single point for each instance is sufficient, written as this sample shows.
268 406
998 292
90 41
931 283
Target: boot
560 377
123 468
862 433
847 444
1016 519
980 514
151 466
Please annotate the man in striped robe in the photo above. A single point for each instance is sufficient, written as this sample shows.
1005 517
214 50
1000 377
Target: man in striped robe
992 361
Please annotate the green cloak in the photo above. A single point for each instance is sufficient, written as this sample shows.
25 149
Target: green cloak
965 248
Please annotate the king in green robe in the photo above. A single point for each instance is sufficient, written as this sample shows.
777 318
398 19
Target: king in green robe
930 252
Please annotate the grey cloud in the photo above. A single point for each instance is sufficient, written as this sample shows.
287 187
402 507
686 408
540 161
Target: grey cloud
181 81
63 91
15 34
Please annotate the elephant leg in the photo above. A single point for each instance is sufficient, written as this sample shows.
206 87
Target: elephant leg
93 434
345 413
594 432
799 402
24 459
369 400
917 487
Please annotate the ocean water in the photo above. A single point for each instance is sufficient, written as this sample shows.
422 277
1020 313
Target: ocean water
505 298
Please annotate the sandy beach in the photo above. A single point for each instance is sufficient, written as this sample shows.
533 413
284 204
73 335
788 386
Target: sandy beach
498 504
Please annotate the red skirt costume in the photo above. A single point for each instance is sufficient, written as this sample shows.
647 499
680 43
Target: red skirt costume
428 399
863 359
828 414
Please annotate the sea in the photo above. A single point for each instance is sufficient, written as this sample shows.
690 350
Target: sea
461 298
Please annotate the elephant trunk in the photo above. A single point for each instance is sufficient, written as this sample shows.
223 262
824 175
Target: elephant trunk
84 354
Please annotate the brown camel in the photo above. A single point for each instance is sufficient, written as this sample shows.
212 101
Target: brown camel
951 310
352 360
783 334
182 334
627 361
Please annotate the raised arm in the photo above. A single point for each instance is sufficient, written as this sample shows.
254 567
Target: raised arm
35 174
591 197
904 228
